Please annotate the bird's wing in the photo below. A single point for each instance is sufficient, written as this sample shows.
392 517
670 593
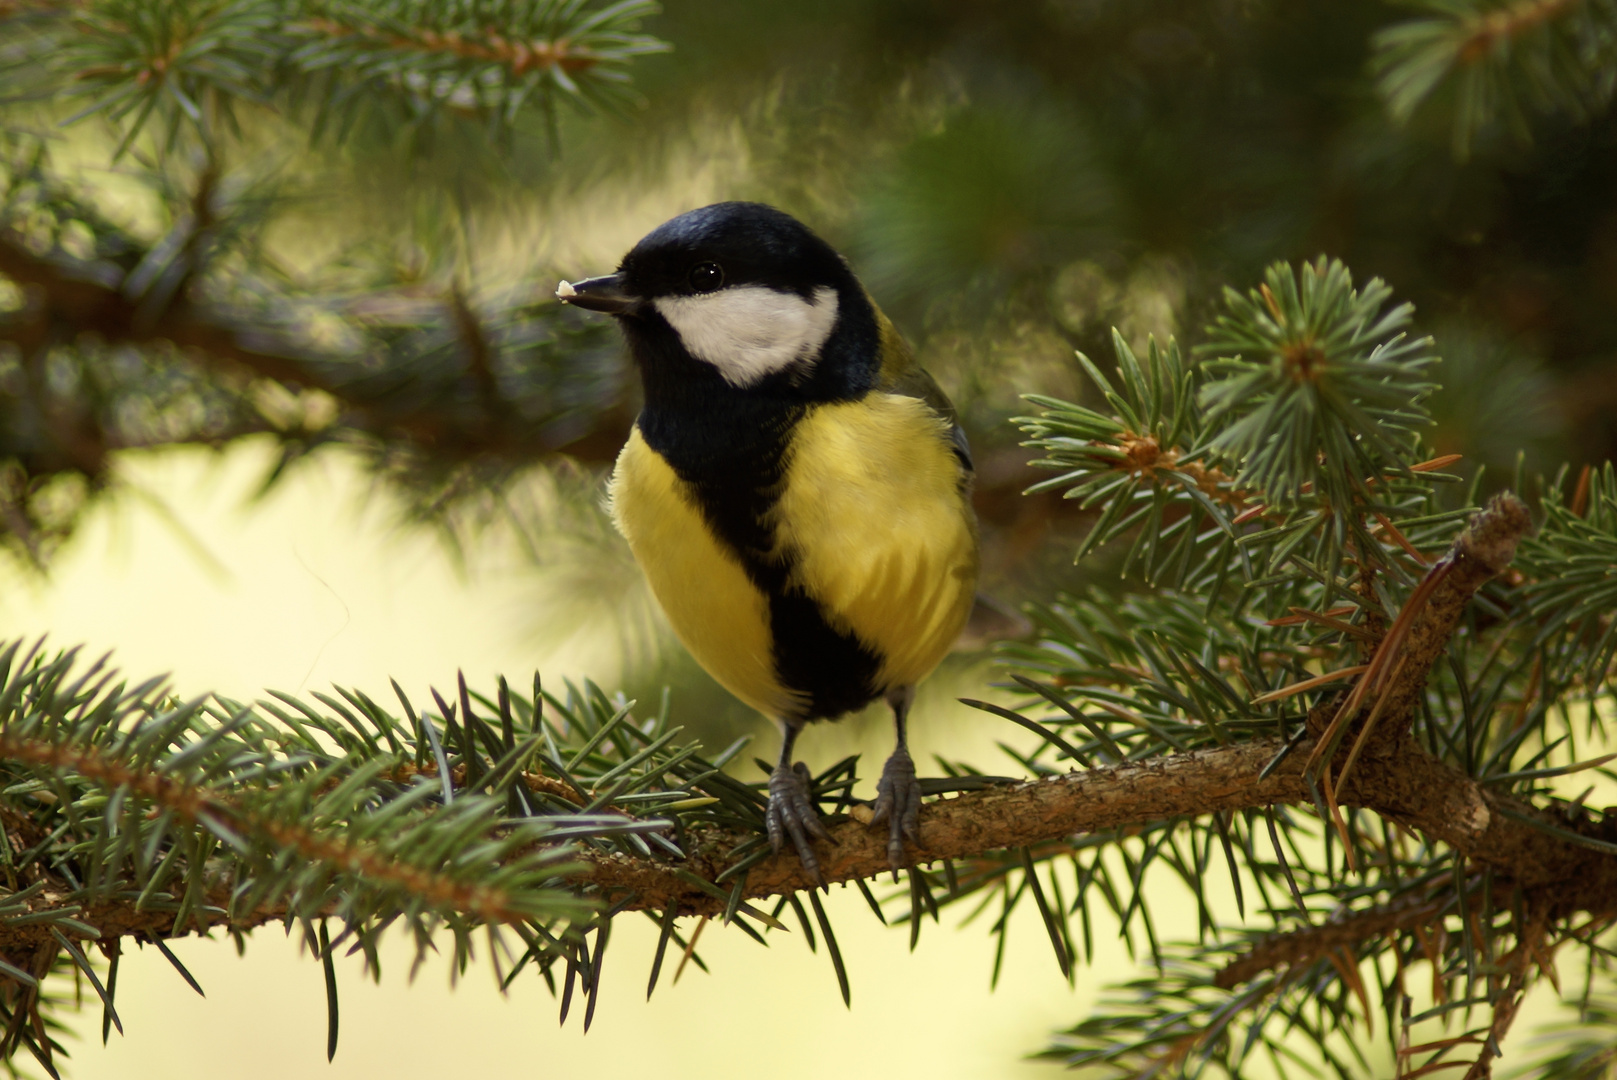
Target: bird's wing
900 374
875 510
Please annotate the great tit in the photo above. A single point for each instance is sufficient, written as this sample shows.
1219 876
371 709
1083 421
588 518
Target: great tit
796 489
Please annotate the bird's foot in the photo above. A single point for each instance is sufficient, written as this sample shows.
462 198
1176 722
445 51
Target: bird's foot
898 803
792 813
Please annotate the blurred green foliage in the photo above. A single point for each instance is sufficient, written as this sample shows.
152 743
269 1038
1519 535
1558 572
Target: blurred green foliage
1217 137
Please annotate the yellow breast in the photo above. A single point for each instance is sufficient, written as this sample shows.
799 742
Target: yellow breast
714 608
874 511
872 518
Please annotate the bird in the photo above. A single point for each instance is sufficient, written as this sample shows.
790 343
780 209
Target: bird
796 488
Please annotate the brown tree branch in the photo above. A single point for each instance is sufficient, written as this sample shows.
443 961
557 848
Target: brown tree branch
66 304
519 57
1489 33
1484 550
87 305
1421 793
978 822
1442 803
1307 944
1380 707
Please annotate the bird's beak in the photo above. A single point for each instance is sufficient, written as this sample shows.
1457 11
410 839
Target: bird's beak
605 294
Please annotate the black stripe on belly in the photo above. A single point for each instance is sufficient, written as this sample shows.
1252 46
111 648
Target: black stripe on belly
735 465
836 670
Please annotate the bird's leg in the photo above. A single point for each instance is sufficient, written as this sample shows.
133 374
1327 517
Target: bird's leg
791 810
898 794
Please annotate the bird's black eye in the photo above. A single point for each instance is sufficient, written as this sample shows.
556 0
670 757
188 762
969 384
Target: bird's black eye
705 277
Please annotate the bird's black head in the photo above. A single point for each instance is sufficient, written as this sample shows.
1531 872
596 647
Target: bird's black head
741 296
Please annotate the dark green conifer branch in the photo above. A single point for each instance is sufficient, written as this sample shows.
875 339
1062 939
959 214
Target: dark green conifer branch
1500 60
129 813
1407 690
115 338
189 67
1572 591
488 61
1313 392
1239 469
121 342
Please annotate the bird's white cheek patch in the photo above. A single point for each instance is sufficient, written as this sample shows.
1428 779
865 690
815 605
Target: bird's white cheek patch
751 331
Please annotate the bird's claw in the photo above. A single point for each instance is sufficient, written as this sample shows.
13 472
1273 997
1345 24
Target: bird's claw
792 813
898 804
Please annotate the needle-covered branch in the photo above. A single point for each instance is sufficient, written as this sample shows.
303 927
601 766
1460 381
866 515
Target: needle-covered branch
1419 793
147 343
1376 714
1498 61
117 337
490 423
1424 796
1419 689
189 67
